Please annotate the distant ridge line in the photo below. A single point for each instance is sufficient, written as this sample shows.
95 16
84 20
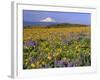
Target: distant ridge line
56 25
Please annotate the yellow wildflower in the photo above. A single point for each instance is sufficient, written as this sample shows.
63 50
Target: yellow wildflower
49 54
56 54
26 63
59 50
26 59
64 58
77 47
43 62
33 65
64 46
47 49
37 63
49 57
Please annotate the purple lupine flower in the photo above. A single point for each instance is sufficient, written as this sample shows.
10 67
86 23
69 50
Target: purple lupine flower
58 63
30 43
70 64
65 64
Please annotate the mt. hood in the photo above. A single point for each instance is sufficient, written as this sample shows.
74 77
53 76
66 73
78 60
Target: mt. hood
48 19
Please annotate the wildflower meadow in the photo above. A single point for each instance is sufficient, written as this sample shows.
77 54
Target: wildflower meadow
50 47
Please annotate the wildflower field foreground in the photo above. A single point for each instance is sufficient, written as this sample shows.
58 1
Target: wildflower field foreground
45 47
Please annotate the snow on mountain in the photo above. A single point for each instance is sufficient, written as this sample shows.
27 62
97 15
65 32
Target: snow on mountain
48 19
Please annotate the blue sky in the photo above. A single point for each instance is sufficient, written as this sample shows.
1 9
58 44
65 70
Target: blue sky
60 17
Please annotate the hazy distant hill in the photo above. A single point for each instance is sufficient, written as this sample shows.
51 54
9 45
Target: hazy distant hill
39 23
50 24
67 25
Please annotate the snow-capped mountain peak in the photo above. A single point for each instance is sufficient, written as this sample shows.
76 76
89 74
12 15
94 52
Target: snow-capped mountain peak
48 19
